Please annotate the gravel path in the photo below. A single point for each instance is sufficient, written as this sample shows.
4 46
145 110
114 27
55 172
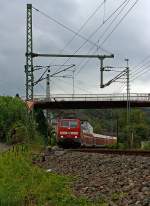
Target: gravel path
121 180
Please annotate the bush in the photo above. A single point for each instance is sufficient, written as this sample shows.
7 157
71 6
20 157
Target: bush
145 145
16 123
17 134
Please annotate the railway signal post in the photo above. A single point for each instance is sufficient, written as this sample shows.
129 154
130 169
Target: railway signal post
128 103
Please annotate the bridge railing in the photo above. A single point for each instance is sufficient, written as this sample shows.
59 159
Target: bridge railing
93 97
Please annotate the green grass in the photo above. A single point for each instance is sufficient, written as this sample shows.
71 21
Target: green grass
117 195
24 184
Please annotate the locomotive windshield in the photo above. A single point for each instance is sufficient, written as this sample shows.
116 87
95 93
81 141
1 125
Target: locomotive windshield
69 123
64 123
73 124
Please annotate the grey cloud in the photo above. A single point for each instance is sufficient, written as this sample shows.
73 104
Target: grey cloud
129 40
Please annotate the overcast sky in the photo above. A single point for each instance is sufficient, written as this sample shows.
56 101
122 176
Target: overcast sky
129 40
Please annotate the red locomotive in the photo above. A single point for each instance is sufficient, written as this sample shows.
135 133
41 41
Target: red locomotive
68 131
80 133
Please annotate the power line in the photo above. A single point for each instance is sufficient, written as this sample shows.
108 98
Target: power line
113 28
77 87
141 73
128 11
81 28
97 29
76 33
66 27
142 61
120 21
83 25
106 31
139 68
114 19
104 11
133 74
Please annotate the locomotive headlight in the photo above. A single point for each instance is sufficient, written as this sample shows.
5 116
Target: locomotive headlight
75 136
61 136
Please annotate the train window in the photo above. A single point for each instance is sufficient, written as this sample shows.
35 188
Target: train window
73 124
64 123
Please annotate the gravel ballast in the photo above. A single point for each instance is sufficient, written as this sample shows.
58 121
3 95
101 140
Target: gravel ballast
120 180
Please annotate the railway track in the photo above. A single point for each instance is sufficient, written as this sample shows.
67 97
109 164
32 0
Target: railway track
113 151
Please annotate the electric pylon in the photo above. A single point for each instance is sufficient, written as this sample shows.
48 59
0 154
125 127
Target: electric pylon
29 59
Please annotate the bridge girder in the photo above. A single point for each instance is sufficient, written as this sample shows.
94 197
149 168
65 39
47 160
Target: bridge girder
89 104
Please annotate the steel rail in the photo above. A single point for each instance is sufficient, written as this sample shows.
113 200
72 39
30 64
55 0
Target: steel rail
112 151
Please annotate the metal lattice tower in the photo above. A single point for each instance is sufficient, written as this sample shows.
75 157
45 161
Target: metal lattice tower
29 59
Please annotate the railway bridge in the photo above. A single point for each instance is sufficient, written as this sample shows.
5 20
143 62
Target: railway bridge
89 101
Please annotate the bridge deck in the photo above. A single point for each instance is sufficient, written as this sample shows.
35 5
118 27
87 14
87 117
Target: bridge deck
99 101
89 104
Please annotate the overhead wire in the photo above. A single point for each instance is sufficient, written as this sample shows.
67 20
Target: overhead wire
104 11
119 22
86 40
97 29
102 36
118 25
80 29
82 26
66 27
138 74
115 18
76 86
135 75
57 85
142 61
139 67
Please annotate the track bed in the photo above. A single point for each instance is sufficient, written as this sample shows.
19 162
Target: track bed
119 179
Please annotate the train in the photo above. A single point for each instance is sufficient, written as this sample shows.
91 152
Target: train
79 133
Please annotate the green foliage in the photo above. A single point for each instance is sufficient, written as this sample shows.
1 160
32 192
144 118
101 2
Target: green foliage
17 133
118 195
105 122
51 136
16 123
145 145
112 146
21 183
12 110
42 126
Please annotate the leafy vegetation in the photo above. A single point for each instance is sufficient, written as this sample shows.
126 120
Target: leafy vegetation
146 145
22 183
16 123
118 195
107 121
